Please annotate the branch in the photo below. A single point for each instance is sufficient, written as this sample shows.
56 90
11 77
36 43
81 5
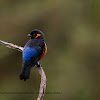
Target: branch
43 84
12 46
41 71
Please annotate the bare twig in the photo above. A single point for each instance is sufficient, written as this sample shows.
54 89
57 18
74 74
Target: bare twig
41 71
12 46
43 84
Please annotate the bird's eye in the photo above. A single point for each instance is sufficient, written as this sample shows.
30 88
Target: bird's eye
33 34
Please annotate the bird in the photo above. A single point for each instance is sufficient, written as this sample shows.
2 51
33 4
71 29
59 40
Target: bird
34 50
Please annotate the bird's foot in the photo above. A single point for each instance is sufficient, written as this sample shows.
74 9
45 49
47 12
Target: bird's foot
38 64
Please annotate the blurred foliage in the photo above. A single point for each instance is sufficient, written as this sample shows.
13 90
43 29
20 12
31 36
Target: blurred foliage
72 33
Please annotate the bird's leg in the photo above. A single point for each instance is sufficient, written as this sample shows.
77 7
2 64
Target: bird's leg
38 64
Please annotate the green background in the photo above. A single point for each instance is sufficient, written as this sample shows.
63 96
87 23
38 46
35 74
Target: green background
72 33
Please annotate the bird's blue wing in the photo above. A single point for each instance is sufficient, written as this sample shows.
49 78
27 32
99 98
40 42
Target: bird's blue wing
29 53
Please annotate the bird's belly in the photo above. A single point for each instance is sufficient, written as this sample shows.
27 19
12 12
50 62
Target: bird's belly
44 52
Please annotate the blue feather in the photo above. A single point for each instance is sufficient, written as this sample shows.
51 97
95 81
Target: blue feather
28 53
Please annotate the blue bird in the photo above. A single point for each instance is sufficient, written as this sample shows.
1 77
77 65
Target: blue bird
34 50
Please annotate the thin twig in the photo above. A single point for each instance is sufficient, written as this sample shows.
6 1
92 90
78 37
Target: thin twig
41 71
43 84
12 46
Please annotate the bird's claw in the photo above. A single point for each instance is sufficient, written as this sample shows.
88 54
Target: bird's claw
38 64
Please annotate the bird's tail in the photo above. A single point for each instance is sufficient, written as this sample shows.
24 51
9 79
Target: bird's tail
25 73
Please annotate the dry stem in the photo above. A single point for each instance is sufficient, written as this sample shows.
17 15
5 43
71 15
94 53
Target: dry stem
41 71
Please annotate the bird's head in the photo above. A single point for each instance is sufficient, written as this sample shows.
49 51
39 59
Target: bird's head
36 34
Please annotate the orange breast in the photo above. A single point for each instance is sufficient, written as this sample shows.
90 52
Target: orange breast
44 52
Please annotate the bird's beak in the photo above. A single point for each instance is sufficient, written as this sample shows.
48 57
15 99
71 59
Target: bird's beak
29 35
